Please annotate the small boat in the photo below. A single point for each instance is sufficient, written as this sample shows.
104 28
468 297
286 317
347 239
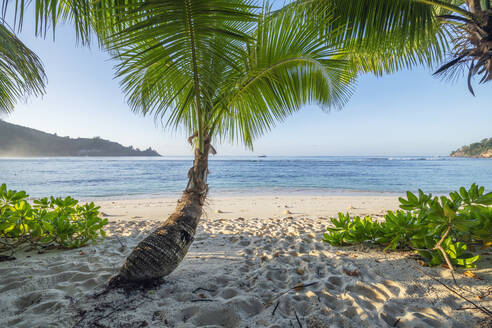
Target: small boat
261 156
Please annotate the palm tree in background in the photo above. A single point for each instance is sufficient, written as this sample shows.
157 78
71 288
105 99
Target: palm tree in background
21 72
472 39
463 28
230 70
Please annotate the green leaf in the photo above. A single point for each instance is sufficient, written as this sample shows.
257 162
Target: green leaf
463 193
55 221
412 198
422 225
449 213
468 262
9 228
47 226
485 199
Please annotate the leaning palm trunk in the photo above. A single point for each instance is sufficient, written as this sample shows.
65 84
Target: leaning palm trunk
161 252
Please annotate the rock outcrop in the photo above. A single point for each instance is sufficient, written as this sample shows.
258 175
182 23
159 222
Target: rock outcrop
482 149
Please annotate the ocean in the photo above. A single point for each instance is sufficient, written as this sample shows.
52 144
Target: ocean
112 177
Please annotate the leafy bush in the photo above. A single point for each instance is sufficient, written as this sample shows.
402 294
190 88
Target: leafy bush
48 222
438 228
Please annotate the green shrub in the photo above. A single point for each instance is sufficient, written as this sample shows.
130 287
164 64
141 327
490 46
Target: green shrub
438 228
352 231
48 222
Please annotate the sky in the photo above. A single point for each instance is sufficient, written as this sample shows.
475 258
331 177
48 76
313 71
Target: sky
406 113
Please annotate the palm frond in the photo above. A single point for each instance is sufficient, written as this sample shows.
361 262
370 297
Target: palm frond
48 13
374 23
288 66
21 71
384 36
165 48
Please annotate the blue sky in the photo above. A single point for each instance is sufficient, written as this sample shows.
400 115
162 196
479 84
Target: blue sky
407 113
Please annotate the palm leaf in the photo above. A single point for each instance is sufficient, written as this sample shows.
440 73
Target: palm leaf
21 71
48 13
165 49
288 66
384 36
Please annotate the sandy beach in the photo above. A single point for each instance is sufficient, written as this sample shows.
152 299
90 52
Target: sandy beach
257 261
248 207
218 140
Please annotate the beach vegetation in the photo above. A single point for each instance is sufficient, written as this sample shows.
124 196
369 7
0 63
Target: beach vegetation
232 70
47 222
443 229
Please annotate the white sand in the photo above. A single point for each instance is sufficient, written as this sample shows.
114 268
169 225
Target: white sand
238 271
255 206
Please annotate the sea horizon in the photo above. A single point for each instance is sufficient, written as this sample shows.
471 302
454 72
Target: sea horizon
238 157
100 178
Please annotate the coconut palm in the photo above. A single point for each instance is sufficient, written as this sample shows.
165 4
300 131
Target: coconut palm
229 70
220 70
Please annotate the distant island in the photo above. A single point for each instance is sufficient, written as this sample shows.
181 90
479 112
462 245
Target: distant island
482 149
20 141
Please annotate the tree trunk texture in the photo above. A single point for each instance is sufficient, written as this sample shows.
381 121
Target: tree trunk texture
474 5
160 253
481 37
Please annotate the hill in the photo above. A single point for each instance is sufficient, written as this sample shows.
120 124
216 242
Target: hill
482 149
20 141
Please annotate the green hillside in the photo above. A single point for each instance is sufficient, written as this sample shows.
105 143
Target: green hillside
20 141
482 149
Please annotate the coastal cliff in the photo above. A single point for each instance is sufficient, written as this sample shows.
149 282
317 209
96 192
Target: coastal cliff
482 149
20 141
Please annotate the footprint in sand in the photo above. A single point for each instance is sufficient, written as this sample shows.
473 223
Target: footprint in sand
26 301
247 306
189 312
217 316
228 293
366 291
329 300
334 283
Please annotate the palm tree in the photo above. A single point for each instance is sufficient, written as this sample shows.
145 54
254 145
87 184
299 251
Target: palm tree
21 71
229 70
220 70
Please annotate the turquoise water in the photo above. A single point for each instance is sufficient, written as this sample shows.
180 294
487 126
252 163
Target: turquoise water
87 178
